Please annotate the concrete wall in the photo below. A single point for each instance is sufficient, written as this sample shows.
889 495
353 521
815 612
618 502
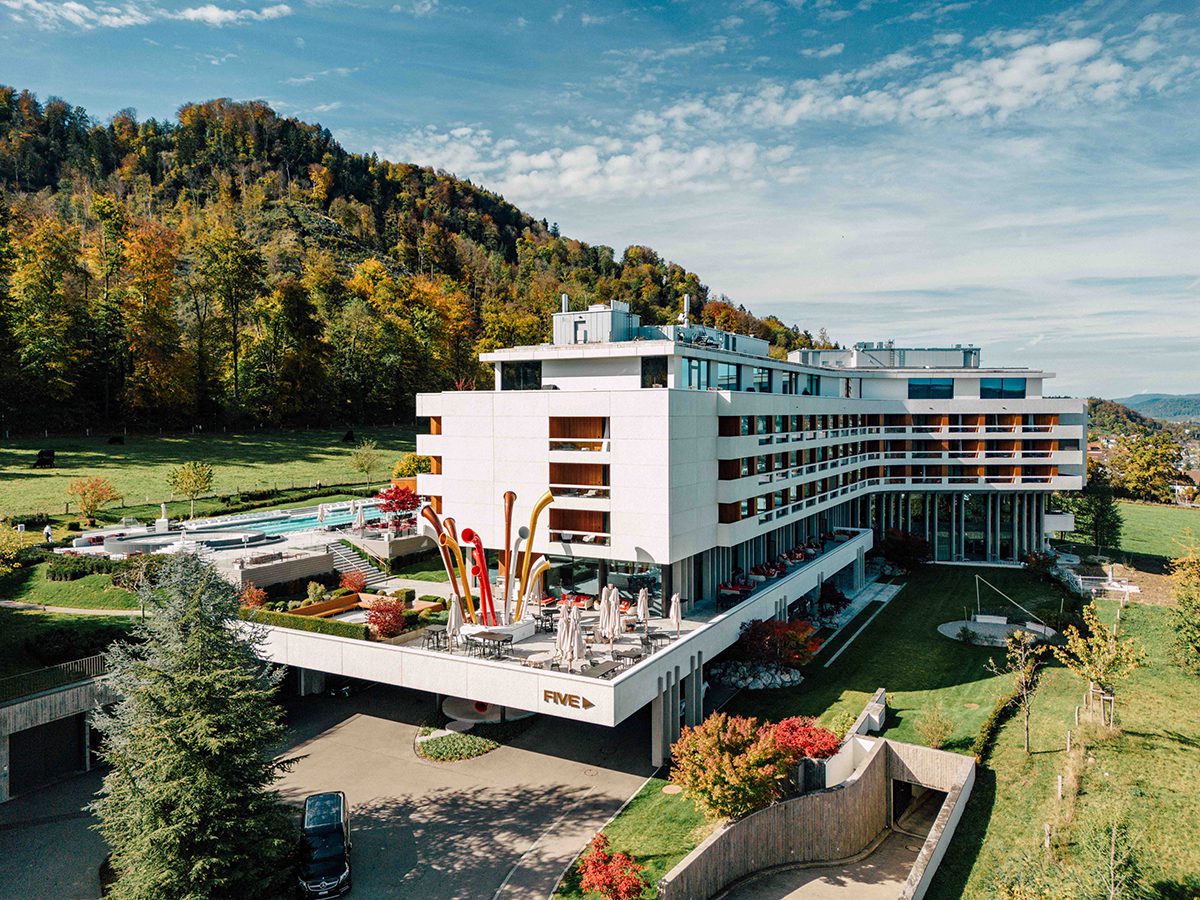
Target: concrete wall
827 825
277 572
47 706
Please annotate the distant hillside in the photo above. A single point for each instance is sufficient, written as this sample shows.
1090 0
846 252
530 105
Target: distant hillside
1176 407
1109 417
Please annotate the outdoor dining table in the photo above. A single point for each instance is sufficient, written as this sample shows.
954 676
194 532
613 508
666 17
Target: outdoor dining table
539 660
599 670
494 641
656 636
628 656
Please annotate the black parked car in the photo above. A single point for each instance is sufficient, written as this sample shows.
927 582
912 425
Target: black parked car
325 850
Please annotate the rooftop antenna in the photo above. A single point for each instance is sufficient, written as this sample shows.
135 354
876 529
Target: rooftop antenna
565 302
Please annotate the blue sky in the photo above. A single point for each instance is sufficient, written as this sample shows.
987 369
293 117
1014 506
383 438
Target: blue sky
1018 175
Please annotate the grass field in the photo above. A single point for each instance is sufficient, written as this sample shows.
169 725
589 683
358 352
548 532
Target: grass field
138 468
30 585
17 627
1157 530
1150 770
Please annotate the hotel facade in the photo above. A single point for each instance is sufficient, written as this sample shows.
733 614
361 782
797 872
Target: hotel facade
686 455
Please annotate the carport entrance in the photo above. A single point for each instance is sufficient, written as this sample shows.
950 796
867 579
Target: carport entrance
45 753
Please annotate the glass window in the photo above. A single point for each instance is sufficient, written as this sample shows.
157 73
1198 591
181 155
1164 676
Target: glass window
760 464
781 424
521 376
654 371
812 385
762 379
762 425
697 373
930 388
727 377
745 468
747 425
791 382
1002 389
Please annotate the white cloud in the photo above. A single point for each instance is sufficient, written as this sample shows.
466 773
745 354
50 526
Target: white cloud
587 20
310 77
327 107
950 39
219 16
824 52
418 8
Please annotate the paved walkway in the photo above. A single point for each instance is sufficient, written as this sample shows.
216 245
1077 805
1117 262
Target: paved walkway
70 610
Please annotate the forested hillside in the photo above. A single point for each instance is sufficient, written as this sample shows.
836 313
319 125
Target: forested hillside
238 266
1165 406
1108 417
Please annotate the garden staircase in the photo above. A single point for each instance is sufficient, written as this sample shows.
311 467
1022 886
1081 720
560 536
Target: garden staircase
346 560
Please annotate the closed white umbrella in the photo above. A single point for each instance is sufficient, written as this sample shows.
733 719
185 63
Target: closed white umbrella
676 613
454 619
321 513
614 614
563 637
578 645
643 605
360 516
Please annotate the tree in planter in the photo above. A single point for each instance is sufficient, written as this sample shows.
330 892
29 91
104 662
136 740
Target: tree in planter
365 459
189 807
399 503
1022 659
252 596
386 617
1097 656
410 465
192 479
91 494
730 765
614 876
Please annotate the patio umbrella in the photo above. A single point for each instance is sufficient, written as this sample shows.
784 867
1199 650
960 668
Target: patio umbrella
578 645
321 513
360 516
454 619
614 613
643 605
563 636
676 614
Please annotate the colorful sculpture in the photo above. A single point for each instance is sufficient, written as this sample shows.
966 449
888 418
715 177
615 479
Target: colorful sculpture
458 571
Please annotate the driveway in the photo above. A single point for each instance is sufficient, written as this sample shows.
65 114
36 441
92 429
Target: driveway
504 825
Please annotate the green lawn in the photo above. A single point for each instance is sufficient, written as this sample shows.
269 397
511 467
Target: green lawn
30 585
1156 530
19 628
657 829
430 569
1151 770
138 468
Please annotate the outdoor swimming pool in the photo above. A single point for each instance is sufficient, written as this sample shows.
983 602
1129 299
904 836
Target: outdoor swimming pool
281 522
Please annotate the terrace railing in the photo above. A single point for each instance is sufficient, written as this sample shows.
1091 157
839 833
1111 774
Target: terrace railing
25 684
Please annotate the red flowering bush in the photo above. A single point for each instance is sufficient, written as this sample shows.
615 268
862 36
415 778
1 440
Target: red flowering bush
729 765
615 876
802 736
355 582
386 617
253 596
788 644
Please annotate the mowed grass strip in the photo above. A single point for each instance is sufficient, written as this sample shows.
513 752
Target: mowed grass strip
19 628
1150 770
29 584
138 468
1158 530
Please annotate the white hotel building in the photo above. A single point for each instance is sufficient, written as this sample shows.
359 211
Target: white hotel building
679 456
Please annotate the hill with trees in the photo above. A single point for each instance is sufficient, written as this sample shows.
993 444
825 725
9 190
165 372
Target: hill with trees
1111 418
234 265
1180 407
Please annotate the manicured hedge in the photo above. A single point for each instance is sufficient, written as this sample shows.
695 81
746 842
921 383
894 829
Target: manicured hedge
450 747
69 568
307 623
1005 707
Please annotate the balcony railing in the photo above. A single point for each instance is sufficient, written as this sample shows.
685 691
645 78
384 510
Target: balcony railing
589 445
581 491
15 687
587 538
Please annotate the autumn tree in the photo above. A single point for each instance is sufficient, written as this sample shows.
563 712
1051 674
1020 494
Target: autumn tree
1022 659
729 765
1148 465
155 381
1097 655
191 479
91 494
614 876
232 271
1185 577
803 736
410 465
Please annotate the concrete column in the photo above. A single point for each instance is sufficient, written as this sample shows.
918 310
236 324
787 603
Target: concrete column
673 711
3 768
309 681
860 570
658 742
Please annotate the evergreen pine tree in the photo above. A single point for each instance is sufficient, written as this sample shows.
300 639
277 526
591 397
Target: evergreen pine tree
189 807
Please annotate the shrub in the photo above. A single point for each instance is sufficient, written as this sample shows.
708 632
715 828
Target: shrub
728 764
432 598
801 736
67 567
405 595
306 623
434 617
615 876
135 571
933 726
340 592
842 723
353 582
315 592
904 549
450 747
386 617
786 643
253 597
967 636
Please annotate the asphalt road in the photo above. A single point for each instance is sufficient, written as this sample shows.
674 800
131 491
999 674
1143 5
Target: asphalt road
503 825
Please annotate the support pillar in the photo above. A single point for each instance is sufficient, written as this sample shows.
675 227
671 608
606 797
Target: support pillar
3 768
309 681
673 711
658 743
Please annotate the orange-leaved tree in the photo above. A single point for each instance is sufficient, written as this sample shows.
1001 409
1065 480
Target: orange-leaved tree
91 493
729 764
802 736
